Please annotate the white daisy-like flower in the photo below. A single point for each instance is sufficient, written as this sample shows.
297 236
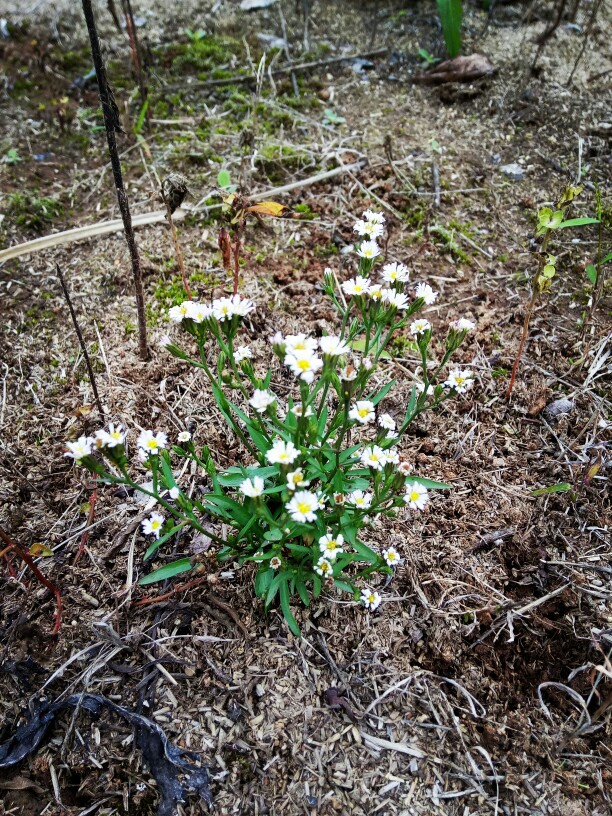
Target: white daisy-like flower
368 229
241 306
367 363
299 342
463 324
333 346
80 449
376 291
184 436
420 326
362 412
282 453
387 422
391 435
425 291
198 312
331 546
359 499
164 341
150 442
397 300
298 410
338 499
324 567
392 557
153 525
174 492
395 273
377 217
370 599
296 479
304 364
112 438
420 387
242 353
416 495
275 562
392 454
369 250
177 313
405 468
261 399
356 287
374 457
460 380
252 487
303 506
226 307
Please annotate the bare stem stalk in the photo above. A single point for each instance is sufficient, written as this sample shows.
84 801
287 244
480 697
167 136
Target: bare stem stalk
90 373
111 123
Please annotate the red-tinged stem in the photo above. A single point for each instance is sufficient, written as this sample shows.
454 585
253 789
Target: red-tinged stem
521 348
25 556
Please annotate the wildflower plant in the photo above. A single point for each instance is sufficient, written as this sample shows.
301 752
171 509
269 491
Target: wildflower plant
322 465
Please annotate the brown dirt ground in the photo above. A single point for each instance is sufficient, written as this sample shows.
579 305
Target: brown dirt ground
448 666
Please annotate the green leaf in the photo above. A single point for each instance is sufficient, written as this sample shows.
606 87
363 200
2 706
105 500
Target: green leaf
332 118
316 585
562 487
161 540
302 591
224 179
167 470
344 586
366 553
273 588
141 117
234 476
591 273
607 259
284 601
167 571
578 222
382 393
451 12
262 582
429 483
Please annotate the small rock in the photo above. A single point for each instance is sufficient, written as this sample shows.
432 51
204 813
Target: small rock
271 41
513 171
253 5
559 407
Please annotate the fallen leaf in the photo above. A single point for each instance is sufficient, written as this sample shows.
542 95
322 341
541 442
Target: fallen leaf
459 69
39 549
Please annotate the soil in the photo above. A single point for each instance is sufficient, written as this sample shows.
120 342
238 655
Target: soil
482 684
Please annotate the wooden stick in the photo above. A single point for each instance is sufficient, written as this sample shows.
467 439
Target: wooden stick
92 379
111 124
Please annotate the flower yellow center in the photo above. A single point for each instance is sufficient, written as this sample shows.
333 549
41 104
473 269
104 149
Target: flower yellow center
304 365
152 443
155 525
363 412
303 507
414 495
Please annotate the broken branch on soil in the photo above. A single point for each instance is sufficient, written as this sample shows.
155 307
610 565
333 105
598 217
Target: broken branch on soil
27 558
144 219
90 373
249 78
